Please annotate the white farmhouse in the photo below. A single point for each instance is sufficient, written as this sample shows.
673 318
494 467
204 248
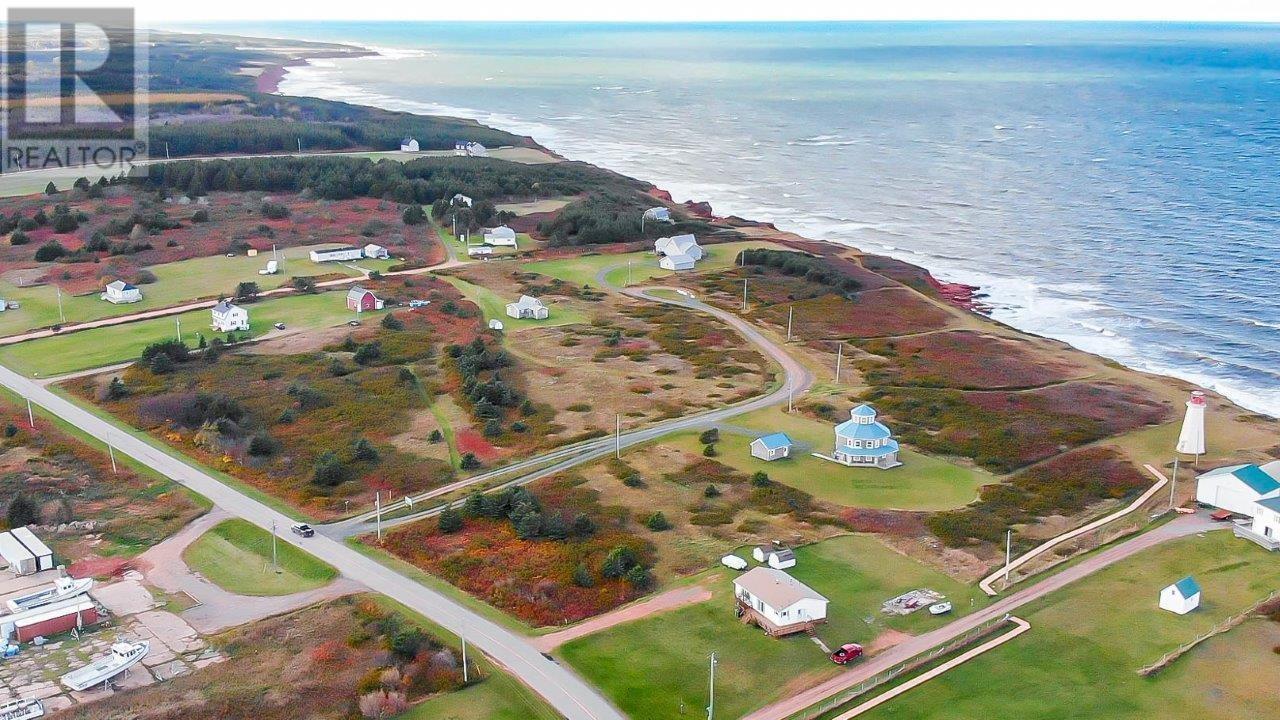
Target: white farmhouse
771 447
1238 488
120 292
338 254
778 603
501 236
459 200
863 441
1181 597
527 308
376 252
679 252
409 145
229 318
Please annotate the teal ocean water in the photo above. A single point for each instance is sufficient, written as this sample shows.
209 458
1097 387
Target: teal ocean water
1114 186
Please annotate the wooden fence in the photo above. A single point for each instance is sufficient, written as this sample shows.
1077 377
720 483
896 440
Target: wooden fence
1167 659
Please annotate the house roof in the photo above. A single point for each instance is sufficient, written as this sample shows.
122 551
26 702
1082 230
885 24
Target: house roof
863 431
527 302
774 441
775 588
681 258
224 306
501 231
863 410
675 244
358 292
1187 586
120 285
1271 503
785 553
406 141
1254 477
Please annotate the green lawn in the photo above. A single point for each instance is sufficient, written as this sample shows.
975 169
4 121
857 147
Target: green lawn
176 283
1087 642
108 345
657 667
922 482
495 306
235 555
582 270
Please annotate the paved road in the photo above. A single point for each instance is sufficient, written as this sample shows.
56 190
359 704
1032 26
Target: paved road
796 380
565 691
1181 526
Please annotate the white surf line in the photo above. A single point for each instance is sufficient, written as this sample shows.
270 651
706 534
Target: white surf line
1022 626
1039 550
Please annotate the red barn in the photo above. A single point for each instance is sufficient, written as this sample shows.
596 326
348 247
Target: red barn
55 619
361 300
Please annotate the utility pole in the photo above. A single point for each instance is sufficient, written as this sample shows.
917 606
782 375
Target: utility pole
299 146
31 417
377 508
1008 554
790 308
275 561
465 677
789 399
166 151
711 690
617 436
628 272
839 357
744 294
112 452
61 316
1173 484
179 324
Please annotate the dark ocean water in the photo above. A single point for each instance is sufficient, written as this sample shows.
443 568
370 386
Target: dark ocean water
1115 186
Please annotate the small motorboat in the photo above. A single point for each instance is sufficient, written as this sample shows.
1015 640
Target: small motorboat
62 588
941 608
123 656
21 709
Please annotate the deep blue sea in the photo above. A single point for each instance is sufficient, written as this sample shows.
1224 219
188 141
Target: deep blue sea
1116 186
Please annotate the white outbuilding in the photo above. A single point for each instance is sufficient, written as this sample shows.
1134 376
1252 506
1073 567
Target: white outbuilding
376 252
1181 597
501 236
409 145
34 545
1264 529
676 262
1238 488
678 245
17 556
496 324
479 250
776 556
459 200
778 603
120 292
527 308
774 446
338 254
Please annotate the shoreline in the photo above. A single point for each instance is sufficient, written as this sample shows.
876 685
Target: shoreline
960 291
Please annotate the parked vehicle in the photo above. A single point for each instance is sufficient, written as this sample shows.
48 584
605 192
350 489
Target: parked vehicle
941 608
302 529
353 323
278 326
846 653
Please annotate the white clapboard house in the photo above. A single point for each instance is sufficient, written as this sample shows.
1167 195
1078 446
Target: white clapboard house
778 603
229 318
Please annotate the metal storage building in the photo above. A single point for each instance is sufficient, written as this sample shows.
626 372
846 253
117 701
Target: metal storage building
35 546
19 559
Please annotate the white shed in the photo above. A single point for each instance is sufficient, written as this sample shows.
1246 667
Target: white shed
495 324
527 308
409 145
777 602
376 252
1238 488
119 292
776 556
35 546
774 446
16 555
1181 597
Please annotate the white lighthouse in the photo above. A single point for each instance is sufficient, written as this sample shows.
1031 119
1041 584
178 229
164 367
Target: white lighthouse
1191 439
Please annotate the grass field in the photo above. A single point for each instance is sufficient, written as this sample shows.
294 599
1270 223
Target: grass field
495 306
114 344
657 667
922 482
1088 641
236 556
582 270
176 283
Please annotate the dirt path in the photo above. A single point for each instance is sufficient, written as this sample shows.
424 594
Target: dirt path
664 602
219 609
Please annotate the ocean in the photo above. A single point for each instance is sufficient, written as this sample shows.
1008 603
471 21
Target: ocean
1114 186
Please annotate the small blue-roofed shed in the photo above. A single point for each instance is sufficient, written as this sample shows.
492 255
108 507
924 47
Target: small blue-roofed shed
771 447
1181 597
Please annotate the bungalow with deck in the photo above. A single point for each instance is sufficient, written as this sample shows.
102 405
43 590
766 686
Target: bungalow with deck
229 318
501 236
120 292
527 308
777 603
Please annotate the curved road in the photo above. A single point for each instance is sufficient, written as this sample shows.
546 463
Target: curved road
797 379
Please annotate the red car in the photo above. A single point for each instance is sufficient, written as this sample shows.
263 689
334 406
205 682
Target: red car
846 653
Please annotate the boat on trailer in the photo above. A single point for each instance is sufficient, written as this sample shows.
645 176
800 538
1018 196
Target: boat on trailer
62 588
21 709
123 656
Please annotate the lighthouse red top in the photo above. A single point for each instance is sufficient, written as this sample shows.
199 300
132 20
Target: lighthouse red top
1197 398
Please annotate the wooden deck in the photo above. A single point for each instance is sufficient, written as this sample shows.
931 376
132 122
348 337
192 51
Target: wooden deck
750 616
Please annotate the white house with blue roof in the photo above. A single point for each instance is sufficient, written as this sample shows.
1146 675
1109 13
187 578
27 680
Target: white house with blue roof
1181 597
1238 488
1265 527
863 441
771 447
